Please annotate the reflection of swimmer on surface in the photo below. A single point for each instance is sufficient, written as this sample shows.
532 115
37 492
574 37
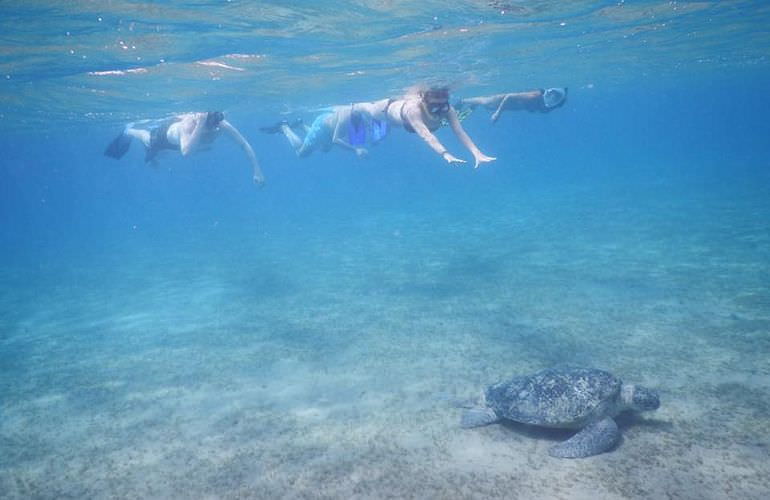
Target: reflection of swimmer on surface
186 133
543 101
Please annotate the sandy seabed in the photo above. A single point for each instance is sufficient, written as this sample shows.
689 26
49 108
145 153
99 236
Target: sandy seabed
329 369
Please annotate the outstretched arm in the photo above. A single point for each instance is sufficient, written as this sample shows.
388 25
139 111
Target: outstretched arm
414 116
467 142
499 109
259 178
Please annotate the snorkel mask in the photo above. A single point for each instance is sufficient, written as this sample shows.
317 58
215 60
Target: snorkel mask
436 101
213 118
554 97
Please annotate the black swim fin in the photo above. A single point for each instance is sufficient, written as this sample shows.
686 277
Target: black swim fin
119 146
274 129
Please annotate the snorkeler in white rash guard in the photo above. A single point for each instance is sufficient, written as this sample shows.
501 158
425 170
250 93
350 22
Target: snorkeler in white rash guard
186 133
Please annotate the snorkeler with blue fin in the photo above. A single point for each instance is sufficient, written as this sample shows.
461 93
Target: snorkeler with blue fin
421 111
350 127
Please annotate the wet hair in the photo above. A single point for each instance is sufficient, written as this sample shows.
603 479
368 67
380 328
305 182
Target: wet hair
213 118
438 93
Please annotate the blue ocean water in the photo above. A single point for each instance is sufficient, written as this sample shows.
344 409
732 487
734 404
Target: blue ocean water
177 332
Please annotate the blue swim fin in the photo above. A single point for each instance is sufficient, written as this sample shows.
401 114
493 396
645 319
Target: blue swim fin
379 130
119 146
357 131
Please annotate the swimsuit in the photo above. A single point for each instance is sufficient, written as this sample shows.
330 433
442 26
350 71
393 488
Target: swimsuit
159 141
405 122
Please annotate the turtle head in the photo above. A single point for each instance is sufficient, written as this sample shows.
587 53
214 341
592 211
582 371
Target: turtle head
639 398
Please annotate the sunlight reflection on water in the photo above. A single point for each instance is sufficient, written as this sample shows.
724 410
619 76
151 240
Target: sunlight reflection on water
95 61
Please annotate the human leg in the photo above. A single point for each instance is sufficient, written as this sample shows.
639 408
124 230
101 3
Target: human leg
292 137
489 102
142 135
319 134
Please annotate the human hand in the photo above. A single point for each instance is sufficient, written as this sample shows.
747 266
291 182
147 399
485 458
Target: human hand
361 152
451 159
495 116
482 158
258 180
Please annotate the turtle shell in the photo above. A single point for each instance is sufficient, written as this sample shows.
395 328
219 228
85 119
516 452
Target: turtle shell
557 397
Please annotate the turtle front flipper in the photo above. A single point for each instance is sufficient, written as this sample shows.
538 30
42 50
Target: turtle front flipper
477 417
593 439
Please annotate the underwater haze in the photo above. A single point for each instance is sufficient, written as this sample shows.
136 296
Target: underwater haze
175 331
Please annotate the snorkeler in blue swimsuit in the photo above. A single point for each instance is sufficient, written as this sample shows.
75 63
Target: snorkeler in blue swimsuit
352 127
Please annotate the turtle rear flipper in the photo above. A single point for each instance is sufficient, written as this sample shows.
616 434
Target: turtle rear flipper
477 417
593 439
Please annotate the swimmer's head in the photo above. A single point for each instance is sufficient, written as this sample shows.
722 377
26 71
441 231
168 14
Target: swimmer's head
436 100
554 98
213 118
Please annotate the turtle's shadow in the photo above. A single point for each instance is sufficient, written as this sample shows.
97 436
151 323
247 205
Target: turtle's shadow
624 420
631 419
537 432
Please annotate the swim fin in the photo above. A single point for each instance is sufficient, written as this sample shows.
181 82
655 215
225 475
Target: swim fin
379 130
356 131
119 146
275 128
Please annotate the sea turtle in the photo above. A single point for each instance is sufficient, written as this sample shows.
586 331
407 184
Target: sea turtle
567 397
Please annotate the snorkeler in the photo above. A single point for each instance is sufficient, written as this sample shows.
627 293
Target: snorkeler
344 126
186 133
423 112
357 125
543 101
